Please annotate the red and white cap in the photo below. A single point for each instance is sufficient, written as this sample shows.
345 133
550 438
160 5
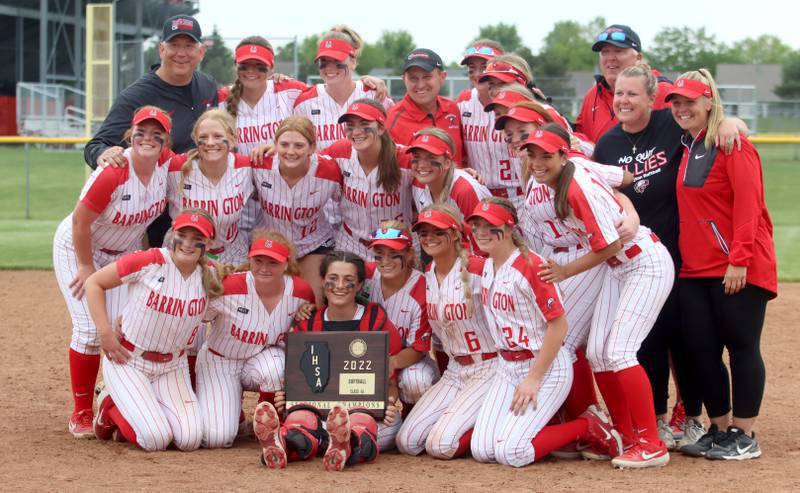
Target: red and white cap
255 52
480 51
504 72
507 99
689 88
437 219
394 238
269 248
337 49
432 144
521 114
194 220
159 116
551 142
496 214
365 111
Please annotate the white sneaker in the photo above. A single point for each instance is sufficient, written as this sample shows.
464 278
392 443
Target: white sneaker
693 430
665 434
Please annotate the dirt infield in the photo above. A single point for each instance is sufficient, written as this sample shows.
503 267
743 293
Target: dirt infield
39 453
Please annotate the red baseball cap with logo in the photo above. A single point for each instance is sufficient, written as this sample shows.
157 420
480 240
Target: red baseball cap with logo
549 141
689 88
507 99
255 52
432 144
159 116
521 114
437 219
269 248
337 49
194 220
394 238
365 111
496 214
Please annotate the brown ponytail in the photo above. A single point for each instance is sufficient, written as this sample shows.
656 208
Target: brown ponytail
232 102
515 235
565 178
389 175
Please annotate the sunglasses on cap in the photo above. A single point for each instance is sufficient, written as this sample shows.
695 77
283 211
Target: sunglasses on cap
613 36
480 50
390 234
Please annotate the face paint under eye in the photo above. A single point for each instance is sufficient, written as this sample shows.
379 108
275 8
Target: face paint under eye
524 136
260 68
330 285
498 233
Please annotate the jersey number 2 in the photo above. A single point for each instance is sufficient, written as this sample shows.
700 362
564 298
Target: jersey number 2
505 169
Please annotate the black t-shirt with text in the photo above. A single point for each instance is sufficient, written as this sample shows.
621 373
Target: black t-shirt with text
654 166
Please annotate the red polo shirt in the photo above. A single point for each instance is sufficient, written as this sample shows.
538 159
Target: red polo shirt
406 118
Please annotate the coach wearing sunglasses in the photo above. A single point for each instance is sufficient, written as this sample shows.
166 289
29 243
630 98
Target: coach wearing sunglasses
619 48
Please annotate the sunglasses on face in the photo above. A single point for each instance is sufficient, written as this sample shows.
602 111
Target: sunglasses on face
614 36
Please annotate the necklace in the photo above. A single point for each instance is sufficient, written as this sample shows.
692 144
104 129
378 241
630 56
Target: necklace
634 144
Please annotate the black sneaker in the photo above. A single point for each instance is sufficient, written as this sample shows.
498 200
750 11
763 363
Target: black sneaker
705 443
735 446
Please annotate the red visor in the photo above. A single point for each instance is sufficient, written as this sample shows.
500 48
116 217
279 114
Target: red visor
194 220
507 99
145 114
269 248
548 141
255 52
335 48
496 214
365 111
505 72
395 239
521 114
689 88
436 219
432 144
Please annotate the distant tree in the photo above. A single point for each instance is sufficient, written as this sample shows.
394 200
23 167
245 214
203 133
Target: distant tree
790 88
683 48
763 49
305 55
508 36
218 61
395 46
568 45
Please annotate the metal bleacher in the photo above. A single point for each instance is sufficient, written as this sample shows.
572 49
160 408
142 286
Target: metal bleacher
50 110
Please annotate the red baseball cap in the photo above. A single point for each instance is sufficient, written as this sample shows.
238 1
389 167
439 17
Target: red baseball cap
255 52
194 220
521 114
365 111
689 88
269 248
337 49
496 214
437 219
430 143
480 51
507 99
394 238
504 72
549 141
151 113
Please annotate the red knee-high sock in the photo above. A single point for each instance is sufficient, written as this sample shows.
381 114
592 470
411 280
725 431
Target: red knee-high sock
192 375
634 383
442 359
83 370
582 394
266 397
616 402
122 424
554 437
463 444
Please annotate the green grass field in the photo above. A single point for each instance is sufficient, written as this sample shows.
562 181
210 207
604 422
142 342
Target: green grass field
57 176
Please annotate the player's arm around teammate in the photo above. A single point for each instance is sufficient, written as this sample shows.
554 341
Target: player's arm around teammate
114 209
148 396
729 269
245 348
534 371
441 422
348 437
623 315
396 285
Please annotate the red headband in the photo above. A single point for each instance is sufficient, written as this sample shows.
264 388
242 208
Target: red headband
255 52
547 140
689 88
521 114
145 114
365 111
335 48
436 219
494 213
194 220
505 72
269 248
432 144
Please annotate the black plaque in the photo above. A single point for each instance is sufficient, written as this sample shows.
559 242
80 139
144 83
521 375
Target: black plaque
325 368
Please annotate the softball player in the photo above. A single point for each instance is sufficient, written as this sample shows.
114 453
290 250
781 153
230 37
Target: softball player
112 214
436 179
632 294
293 187
347 437
534 372
442 420
395 284
376 177
245 348
148 395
